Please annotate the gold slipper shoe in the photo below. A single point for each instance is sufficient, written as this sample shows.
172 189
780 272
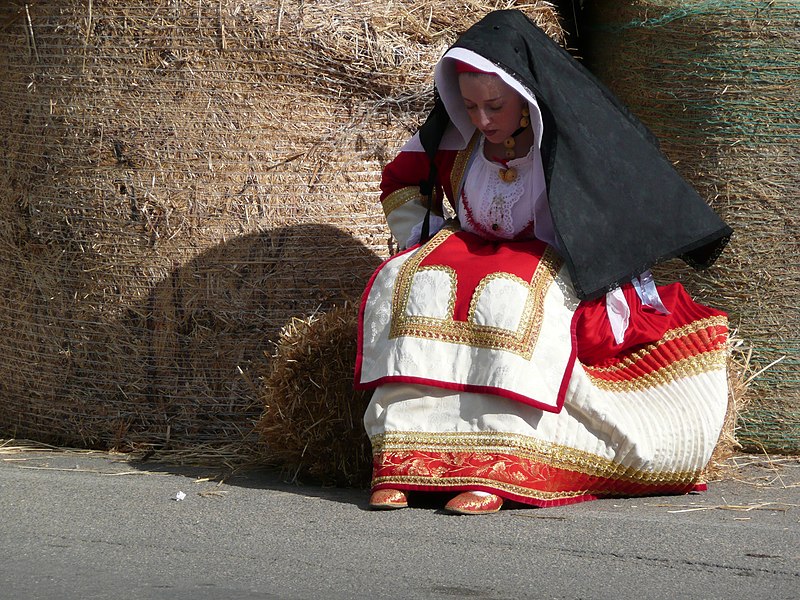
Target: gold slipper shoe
388 499
470 503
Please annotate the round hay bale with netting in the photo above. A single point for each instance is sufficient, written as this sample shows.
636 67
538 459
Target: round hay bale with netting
716 81
180 180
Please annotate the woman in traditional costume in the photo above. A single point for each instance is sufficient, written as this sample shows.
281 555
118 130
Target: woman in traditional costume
523 353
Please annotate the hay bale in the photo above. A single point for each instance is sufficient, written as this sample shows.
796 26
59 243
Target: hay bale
177 182
715 81
312 420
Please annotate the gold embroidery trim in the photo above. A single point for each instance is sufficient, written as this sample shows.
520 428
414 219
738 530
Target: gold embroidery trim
521 342
527 448
398 198
460 165
686 367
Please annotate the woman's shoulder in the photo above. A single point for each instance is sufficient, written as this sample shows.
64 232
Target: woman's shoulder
412 166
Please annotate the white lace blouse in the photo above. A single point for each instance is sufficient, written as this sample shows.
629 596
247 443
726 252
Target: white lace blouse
494 209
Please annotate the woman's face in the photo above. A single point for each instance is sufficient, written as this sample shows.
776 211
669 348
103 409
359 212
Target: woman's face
492 105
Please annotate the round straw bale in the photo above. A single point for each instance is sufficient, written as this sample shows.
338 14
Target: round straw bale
311 425
177 182
716 82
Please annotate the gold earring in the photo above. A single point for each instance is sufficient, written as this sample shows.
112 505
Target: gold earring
525 120
509 174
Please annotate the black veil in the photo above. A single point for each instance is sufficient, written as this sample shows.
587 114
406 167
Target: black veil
618 205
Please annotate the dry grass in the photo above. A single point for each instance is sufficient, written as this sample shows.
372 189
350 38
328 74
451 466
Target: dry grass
311 425
740 376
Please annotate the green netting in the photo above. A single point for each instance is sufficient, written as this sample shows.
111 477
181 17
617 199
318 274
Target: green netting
717 82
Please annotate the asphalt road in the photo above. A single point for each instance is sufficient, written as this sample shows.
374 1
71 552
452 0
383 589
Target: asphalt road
82 525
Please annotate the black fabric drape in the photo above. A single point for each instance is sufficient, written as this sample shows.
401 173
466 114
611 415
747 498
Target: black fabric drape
618 205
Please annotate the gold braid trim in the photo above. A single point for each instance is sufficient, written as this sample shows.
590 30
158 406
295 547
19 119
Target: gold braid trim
673 334
686 367
460 165
400 197
526 448
615 378
521 341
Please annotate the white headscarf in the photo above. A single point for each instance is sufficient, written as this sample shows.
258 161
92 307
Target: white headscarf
461 129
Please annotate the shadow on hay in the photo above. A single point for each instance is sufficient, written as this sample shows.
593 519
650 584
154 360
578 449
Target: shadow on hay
180 371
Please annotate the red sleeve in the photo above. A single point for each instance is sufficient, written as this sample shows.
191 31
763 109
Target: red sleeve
408 169
596 343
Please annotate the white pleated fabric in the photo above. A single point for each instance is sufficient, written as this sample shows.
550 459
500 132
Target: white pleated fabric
641 425
659 434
